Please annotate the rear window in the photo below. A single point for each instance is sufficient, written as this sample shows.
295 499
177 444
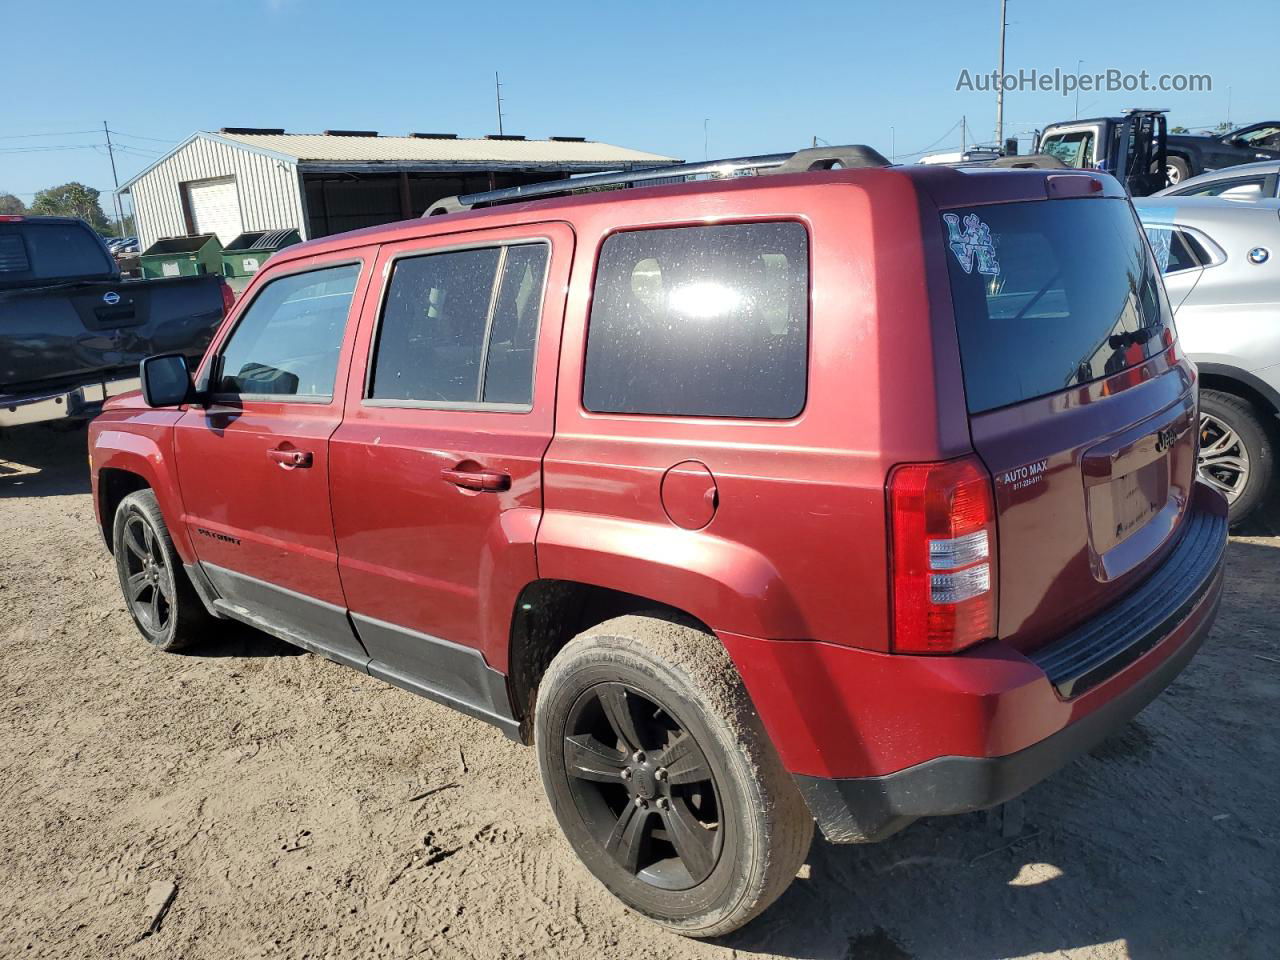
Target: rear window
701 321
1049 295
50 251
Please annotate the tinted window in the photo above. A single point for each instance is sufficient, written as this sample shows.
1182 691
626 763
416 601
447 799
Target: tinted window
1050 294
440 313
288 341
701 321
1240 188
48 251
509 368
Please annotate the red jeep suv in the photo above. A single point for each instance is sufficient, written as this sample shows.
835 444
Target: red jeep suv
773 495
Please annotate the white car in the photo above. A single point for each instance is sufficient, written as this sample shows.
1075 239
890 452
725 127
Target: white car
1221 265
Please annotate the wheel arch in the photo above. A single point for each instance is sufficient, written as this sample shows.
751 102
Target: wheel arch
548 614
114 484
1247 386
125 461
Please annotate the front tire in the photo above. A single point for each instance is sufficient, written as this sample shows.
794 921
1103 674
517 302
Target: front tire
161 600
1236 455
663 779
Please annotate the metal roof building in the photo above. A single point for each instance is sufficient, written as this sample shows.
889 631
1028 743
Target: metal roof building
241 179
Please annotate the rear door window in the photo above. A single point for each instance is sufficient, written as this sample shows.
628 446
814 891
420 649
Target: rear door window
706 321
1049 295
459 327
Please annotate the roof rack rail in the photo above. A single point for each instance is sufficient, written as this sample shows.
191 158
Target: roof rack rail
816 158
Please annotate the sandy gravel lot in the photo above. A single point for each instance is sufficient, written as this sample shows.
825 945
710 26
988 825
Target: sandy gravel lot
289 807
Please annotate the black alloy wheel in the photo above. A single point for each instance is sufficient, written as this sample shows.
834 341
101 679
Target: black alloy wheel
643 787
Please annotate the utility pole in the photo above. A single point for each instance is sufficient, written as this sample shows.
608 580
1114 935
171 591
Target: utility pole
893 144
964 138
1000 78
115 179
1079 64
706 137
497 92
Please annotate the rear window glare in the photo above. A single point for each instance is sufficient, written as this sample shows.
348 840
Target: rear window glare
705 321
1049 295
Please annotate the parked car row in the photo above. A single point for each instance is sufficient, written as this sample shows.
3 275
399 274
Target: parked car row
846 496
119 245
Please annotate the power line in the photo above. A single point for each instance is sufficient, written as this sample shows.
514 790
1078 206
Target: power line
912 153
46 149
138 136
27 136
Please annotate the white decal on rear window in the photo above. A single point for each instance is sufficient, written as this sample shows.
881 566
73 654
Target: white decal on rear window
973 242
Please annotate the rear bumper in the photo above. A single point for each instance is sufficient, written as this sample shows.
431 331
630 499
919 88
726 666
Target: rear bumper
875 741
68 403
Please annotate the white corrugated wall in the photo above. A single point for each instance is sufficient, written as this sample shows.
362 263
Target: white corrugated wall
269 189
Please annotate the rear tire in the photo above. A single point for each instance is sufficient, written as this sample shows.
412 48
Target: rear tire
157 593
1236 452
663 779
1176 170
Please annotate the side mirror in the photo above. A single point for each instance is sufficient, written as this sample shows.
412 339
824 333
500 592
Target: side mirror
166 381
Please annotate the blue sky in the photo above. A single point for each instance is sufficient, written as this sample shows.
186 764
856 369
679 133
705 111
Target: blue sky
765 76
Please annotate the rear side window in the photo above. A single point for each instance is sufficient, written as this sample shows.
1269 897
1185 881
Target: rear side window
1050 294
701 321
1175 250
1239 188
460 327
288 341
50 251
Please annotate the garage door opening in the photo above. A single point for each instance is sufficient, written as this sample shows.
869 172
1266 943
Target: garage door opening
213 206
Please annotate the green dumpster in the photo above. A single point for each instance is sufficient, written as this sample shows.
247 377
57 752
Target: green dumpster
182 257
245 255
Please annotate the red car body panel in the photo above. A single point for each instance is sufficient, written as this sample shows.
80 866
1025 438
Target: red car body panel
772 533
835 713
459 581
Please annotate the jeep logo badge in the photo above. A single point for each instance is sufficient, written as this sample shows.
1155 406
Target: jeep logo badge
111 298
1166 439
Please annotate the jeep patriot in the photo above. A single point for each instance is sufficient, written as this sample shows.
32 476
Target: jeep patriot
844 495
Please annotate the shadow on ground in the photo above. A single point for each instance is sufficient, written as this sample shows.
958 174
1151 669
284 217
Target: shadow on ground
1161 843
43 461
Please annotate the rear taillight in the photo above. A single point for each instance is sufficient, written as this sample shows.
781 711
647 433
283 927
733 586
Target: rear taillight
228 298
943 553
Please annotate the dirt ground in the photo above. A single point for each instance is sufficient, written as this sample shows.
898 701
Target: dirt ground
303 810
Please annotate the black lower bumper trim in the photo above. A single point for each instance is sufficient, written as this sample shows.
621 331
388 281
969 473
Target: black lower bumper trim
866 809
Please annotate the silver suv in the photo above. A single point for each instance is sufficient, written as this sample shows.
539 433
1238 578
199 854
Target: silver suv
1221 263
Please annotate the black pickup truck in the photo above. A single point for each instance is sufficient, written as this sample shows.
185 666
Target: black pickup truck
1137 149
72 331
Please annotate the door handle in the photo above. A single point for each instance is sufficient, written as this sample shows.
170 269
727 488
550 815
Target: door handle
487 481
290 458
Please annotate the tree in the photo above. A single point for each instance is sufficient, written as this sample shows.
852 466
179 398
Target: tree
1179 129
119 228
11 205
71 200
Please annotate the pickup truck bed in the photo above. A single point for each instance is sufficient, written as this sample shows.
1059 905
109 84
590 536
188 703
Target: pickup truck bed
72 332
